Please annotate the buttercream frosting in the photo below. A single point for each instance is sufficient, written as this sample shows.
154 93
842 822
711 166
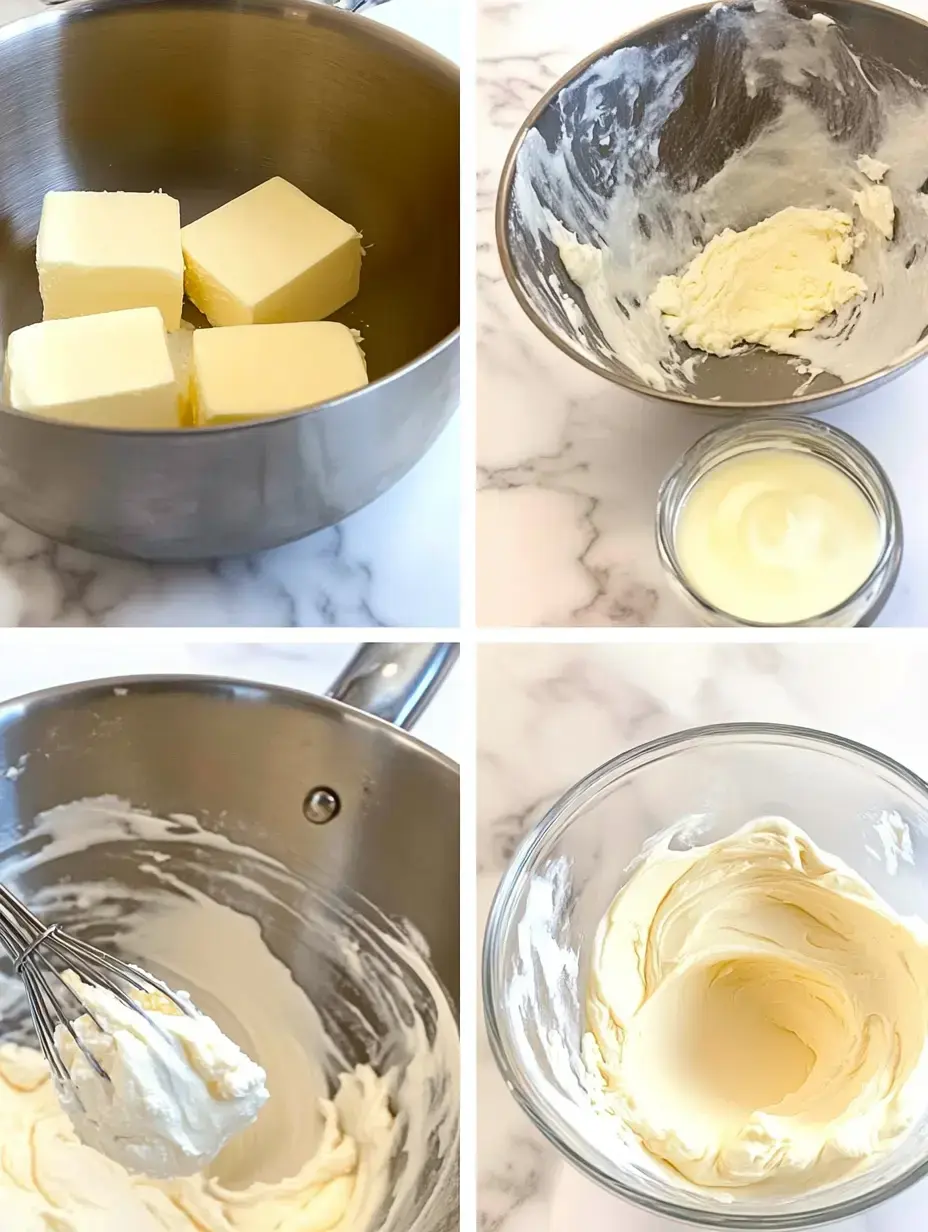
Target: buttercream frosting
360 1130
176 1089
51 1182
757 1014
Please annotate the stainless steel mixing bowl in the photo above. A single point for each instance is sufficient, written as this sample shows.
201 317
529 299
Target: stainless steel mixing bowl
344 800
714 117
204 99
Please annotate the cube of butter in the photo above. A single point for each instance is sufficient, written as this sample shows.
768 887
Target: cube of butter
105 251
251 371
112 370
271 255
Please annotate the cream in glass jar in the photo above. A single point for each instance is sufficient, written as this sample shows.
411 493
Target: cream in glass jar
788 522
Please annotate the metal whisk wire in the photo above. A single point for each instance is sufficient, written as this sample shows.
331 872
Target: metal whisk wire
32 945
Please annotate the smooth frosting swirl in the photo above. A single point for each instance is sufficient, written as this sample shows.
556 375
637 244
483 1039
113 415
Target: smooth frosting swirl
757 1015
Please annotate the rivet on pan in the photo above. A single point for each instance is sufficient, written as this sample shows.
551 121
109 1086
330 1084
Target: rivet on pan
321 805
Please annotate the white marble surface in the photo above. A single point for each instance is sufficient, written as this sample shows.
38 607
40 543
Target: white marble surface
569 465
548 715
394 563
43 661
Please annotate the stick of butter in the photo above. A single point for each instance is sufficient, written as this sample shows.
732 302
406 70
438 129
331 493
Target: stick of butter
104 251
271 255
250 371
112 370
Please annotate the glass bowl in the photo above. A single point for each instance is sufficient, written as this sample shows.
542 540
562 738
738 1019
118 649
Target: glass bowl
851 800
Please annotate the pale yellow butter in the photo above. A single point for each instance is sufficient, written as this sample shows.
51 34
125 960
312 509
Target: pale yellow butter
763 284
271 255
105 251
110 370
252 371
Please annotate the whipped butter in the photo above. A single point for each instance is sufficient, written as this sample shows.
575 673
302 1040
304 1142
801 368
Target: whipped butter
177 1089
776 536
756 1014
876 205
51 1182
763 284
339 1144
608 179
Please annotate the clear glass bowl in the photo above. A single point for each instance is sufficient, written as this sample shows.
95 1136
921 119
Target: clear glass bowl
851 800
796 434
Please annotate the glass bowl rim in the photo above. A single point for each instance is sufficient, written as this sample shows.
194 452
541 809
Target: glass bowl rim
745 437
499 919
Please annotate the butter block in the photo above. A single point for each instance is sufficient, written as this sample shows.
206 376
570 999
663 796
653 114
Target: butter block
180 349
251 371
112 370
271 255
106 251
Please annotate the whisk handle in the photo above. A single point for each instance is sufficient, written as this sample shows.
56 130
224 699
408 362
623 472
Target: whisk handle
20 931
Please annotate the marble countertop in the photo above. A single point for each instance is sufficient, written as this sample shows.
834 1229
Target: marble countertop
394 563
548 715
569 465
43 661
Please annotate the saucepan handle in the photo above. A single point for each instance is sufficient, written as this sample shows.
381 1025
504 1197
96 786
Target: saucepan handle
395 680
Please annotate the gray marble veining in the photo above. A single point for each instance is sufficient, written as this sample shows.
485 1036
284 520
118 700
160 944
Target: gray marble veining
384 566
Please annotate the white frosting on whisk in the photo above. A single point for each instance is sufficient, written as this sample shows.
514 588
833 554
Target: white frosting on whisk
339 1144
176 1089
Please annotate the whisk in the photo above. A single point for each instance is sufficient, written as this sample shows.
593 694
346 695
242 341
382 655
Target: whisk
38 952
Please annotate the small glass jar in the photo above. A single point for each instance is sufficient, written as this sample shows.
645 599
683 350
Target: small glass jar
787 433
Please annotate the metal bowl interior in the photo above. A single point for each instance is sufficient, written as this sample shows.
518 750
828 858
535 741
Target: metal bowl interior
241 759
590 124
205 100
358 970
847 797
